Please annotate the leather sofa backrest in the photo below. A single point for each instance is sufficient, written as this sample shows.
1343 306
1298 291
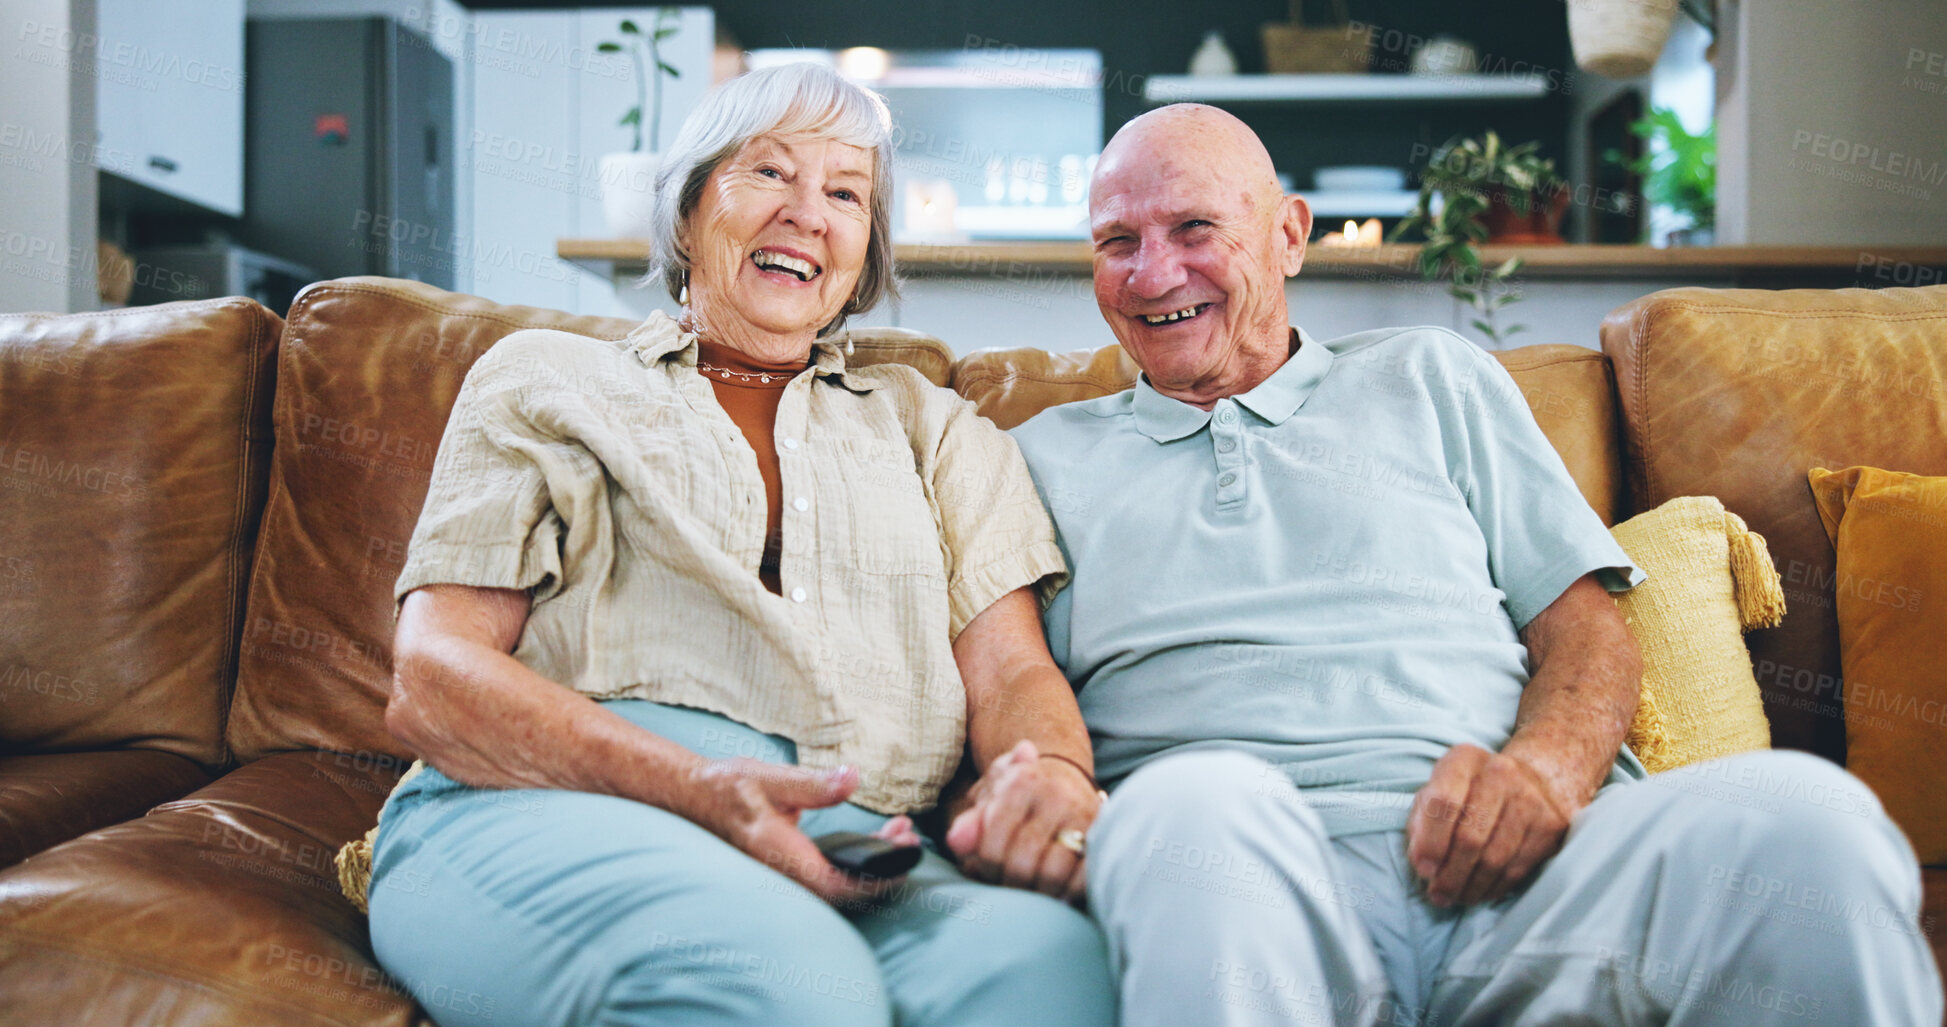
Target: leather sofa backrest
134 446
1008 386
1735 394
367 374
1569 388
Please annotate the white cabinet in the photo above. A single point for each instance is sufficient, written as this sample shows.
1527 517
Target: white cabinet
170 107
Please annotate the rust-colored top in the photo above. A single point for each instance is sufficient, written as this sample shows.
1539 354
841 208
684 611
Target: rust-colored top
752 403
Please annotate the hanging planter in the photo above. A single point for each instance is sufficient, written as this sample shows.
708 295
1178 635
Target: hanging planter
1619 38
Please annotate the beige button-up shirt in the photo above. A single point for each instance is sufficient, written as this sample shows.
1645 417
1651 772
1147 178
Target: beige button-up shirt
605 478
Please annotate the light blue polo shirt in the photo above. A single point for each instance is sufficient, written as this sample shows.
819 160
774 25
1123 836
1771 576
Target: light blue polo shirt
1328 571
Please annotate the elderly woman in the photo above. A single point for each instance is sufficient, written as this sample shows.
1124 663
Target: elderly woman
678 604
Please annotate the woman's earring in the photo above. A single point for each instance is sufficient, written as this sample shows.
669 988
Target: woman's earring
683 293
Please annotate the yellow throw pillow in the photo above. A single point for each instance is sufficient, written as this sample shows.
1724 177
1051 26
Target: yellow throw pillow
1710 580
1890 531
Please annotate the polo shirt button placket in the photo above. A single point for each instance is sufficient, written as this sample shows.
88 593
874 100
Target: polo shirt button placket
1231 486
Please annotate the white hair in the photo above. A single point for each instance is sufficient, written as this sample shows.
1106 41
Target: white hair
788 99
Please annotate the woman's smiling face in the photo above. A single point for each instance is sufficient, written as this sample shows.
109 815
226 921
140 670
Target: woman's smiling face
778 239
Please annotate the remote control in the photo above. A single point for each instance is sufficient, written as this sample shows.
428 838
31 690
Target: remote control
864 855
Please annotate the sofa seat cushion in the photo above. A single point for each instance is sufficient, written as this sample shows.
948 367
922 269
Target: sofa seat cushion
221 908
134 446
48 798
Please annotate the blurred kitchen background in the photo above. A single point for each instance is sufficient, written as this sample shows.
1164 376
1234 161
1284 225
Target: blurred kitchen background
155 150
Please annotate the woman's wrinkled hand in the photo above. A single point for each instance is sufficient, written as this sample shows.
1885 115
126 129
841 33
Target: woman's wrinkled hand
754 806
1009 834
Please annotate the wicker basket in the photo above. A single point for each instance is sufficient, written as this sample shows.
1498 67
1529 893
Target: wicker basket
1619 38
1296 48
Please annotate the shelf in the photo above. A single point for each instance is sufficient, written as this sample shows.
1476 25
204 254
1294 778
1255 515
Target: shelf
1297 89
1328 205
978 259
1024 221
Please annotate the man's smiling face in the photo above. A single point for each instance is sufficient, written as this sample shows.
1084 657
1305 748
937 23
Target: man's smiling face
1192 243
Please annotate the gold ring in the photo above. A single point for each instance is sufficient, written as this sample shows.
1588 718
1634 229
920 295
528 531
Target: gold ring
1073 840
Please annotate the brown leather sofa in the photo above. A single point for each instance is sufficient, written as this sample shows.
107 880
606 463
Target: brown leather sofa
202 510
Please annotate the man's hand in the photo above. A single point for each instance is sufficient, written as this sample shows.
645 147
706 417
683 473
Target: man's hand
1484 821
1020 804
755 806
1481 824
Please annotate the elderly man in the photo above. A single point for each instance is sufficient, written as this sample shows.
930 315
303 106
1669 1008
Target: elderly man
1341 628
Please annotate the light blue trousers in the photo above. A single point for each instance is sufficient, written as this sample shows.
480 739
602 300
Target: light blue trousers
541 906
1764 888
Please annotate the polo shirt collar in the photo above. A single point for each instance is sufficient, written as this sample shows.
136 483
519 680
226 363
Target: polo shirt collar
659 336
1165 419
1279 396
1275 398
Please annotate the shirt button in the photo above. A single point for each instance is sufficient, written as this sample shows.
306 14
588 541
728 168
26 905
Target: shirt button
1226 480
797 594
1226 445
801 504
790 443
1226 416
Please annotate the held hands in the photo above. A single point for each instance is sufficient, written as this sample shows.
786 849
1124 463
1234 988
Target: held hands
1009 834
755 805
1481 824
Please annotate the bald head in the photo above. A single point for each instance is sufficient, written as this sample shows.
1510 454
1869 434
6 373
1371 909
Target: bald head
1193 240
1196 139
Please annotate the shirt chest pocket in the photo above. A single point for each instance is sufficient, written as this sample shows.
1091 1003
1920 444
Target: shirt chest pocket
889 523
662 449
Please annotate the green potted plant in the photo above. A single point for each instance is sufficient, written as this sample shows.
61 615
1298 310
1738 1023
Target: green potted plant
629 178
1485 192
1679 172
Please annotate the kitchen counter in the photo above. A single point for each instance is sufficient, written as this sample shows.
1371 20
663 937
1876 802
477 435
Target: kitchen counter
1039 293
1869 265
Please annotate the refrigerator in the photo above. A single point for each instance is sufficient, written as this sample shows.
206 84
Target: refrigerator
348 140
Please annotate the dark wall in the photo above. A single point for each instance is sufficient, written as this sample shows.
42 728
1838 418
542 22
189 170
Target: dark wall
1138 39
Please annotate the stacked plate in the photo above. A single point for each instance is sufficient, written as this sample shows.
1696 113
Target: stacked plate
1358 178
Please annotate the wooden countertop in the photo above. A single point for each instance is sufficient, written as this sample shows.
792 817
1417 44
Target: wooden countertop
1879 265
